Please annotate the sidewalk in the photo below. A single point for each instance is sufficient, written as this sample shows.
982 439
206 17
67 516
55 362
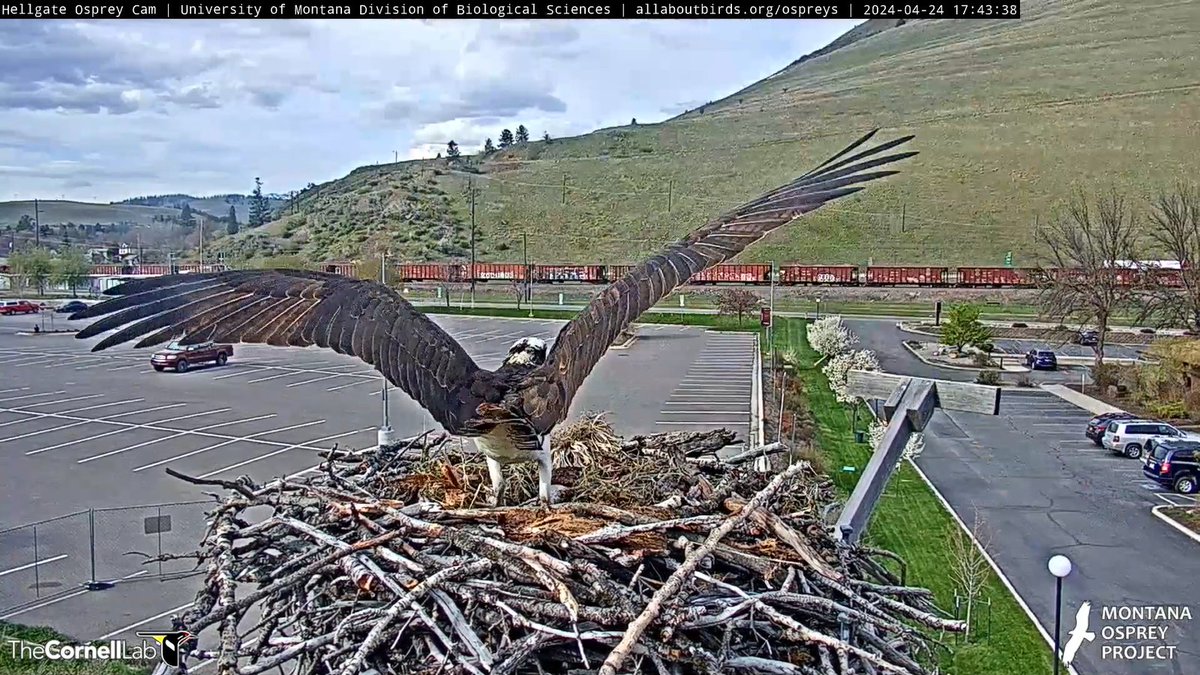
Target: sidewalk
1092 405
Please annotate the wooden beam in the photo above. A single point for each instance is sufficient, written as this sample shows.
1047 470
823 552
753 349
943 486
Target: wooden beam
964 396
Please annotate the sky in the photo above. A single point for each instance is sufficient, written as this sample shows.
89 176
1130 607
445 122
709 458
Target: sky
105 110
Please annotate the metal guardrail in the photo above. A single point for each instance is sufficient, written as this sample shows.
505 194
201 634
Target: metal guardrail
97 548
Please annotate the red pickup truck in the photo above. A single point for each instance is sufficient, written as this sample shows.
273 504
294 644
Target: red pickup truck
181 357
10 307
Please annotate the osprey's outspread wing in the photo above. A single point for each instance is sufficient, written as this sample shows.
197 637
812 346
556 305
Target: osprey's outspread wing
298 308
582 342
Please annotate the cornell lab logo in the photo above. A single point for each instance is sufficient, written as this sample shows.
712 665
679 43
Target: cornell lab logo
172 644
1127 633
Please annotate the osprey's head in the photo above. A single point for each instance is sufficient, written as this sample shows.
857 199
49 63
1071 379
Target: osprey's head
527 351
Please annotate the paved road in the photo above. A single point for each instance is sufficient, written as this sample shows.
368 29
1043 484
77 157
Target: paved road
1041 488
885 340
82 430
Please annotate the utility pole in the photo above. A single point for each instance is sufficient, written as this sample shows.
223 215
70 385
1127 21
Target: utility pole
471 186
670 193
528 280
395 156
384 437
201 245
37 224
771 326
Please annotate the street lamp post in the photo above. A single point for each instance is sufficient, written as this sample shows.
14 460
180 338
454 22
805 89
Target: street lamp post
385 436
1060 567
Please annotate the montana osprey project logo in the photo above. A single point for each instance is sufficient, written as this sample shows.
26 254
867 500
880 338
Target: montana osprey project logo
1078 634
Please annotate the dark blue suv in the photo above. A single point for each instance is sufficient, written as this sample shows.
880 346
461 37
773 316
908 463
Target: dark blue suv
1175 464
1041 359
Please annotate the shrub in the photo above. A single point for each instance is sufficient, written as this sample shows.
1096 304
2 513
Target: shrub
1147 331
1060 327
1191 401
1023 380
981 359
1105 375
1020 325
989 377
829 337
1169 410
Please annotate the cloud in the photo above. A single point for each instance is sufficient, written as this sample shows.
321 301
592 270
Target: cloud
119 108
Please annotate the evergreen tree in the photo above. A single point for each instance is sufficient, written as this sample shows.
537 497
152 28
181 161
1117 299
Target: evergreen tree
25 223
522 134
488 148
231 227
452 150
259 210
506 139
232 217
546 137
185 216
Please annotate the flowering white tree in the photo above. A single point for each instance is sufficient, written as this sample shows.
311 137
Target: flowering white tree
829 337
839 367
912 449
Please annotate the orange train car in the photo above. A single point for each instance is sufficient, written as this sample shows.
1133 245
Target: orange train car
557 274
818 275
733 274
908 276
997 277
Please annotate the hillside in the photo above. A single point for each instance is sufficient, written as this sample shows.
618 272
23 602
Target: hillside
1010 118
215 205
56 212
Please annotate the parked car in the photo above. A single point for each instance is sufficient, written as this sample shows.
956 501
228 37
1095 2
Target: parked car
1130 437
71 307
1175 464
181 357
1041 359
1087 338
10 307
1099 424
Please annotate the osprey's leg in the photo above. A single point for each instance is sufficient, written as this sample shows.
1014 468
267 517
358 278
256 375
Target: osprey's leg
494 470
545 472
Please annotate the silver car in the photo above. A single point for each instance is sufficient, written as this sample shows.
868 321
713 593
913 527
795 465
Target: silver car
1130 437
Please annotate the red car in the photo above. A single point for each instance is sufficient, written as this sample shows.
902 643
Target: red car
181 357
10 307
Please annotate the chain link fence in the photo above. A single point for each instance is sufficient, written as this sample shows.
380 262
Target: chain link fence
98 548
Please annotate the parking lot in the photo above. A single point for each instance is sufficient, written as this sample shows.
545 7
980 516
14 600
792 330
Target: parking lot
1041 488
91 434
1020 347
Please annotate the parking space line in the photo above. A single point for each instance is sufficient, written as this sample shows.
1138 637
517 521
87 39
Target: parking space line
352 384
283 450
68 426
38 563
61 400
18 398
143 622
77 410
229 442
326 377
157 427
29 361
702 412
118 451
55 601
121 430
112 370
6 391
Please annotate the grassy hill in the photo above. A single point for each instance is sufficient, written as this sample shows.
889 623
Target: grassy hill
1010 118
56 212
215 205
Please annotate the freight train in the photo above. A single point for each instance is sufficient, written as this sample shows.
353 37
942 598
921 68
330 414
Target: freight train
725 274
751 275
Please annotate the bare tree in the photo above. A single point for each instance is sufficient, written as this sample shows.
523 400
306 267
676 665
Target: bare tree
968 566
1087 278
738 302
1175 226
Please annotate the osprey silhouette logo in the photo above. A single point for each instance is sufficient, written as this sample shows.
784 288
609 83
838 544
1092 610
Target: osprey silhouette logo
172 644
1078 634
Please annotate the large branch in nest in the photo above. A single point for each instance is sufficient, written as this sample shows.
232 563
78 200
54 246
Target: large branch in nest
384 563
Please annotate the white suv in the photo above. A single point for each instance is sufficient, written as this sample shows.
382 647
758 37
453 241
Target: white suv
1130 437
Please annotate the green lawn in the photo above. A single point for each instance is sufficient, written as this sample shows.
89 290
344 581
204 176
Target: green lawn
912 523
11 664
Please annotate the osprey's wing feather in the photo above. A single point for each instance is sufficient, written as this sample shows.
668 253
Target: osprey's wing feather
298 308
583 340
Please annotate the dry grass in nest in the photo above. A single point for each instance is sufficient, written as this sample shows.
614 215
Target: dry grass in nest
589 461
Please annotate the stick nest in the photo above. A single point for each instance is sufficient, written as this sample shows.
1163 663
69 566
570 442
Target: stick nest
664 557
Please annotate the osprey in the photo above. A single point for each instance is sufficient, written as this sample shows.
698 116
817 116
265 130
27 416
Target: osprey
509 411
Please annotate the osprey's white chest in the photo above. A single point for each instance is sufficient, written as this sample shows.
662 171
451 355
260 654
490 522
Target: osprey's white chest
507 447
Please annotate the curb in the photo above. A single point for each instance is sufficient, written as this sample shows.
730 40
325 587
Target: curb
627 345
1092 405
43 333
974 369
1158 513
